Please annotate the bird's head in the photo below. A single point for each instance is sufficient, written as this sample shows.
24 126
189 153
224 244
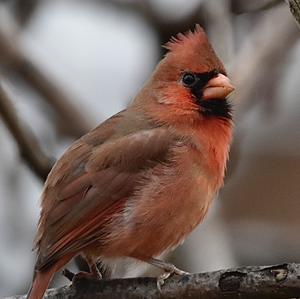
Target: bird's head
191 82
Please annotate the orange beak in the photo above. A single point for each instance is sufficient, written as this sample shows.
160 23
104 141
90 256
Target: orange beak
217 88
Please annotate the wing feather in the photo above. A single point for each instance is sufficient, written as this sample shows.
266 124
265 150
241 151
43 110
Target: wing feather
89 191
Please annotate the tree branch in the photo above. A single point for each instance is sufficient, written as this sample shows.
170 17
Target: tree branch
71 120
295 9
164 28
28 146
241 6
256 282
24 10
257 56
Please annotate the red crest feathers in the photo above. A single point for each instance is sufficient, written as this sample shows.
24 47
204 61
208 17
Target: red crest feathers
193 50
192 36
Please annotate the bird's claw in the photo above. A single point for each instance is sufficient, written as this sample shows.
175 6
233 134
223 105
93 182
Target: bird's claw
180 272
161 279
165 275
72 276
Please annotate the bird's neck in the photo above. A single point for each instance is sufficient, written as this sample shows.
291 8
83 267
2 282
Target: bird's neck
213 137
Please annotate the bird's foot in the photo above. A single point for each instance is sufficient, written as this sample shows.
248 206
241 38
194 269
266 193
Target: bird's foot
169 270
87 275
82 274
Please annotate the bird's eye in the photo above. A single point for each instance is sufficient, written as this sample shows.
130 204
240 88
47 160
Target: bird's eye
189 79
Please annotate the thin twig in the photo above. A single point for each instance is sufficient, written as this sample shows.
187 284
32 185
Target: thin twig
24 10
295 9
241 6
261 57
29 148
71 120
164 27
257 68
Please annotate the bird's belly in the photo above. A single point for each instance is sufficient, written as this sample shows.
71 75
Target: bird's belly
161 215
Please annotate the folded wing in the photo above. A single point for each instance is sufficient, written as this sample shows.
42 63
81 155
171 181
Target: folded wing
82 195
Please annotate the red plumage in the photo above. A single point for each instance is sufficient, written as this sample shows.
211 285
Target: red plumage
139 183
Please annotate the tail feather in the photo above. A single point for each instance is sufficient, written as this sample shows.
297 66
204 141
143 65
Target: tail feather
40 283
42 279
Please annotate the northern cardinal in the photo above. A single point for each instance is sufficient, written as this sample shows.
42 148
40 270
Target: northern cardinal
141 181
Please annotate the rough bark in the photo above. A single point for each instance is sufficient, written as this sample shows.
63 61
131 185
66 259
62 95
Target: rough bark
295 9
256 282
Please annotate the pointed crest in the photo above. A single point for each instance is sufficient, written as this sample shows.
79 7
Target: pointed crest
194 49
184 39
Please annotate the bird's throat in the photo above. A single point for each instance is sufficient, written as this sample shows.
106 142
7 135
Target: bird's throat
215 108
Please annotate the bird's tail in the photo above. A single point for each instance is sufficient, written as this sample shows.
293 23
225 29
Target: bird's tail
42 279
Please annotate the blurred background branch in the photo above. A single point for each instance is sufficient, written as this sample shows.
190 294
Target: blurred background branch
263 48
28 146
240 6
24 10
70 119
295 9
164 27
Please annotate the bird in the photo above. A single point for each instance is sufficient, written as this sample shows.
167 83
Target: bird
141 181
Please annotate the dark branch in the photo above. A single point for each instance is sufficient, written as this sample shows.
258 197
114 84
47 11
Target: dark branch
28 146
239 7
71 120
276 282
295 9
24 10
260 60
163 27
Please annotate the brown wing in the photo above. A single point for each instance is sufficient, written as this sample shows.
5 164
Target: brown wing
90 183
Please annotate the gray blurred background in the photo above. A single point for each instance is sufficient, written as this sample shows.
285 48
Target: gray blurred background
67 65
